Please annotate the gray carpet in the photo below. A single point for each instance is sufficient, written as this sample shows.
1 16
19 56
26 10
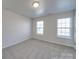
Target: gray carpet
37 49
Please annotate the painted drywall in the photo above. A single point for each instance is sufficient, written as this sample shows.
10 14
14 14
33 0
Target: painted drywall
16 28
50 23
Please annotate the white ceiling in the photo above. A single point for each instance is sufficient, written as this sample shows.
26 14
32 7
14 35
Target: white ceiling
24 7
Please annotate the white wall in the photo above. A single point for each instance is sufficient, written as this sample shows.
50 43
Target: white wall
50 23
16 28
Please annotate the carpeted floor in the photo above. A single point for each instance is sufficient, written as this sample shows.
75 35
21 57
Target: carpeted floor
37 49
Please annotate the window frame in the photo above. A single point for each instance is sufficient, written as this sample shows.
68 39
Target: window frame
42 26
64 36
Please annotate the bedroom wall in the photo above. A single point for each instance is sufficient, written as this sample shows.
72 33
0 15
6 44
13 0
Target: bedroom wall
50 32
16 28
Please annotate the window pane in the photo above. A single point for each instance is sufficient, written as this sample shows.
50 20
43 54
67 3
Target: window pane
68 30
63 27
39 24
67 20
67 24
63 33
67 34
59 21
39 27
63 21
59 25
63 30
39 31
59 31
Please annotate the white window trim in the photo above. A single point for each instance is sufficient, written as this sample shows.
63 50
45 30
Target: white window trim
39 33
62 36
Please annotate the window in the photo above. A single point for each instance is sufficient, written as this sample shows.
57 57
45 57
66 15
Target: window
63 27
39 27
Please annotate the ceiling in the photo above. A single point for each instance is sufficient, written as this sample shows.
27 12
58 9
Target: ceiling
24 7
